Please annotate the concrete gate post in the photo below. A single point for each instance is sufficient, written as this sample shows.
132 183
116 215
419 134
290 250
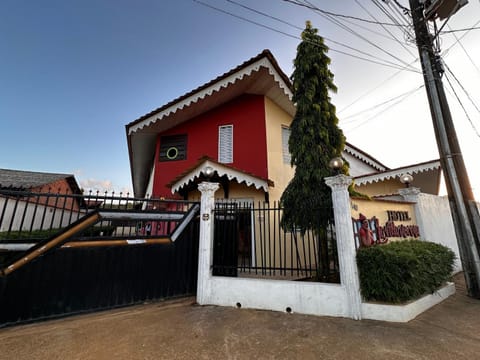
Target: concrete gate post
345 242
412 194
205 246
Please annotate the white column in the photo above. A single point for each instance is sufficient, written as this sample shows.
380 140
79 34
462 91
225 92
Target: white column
205 247
345 242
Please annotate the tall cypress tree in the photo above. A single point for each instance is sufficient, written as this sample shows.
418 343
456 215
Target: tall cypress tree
315 137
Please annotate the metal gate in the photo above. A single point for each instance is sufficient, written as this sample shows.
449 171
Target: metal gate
111 252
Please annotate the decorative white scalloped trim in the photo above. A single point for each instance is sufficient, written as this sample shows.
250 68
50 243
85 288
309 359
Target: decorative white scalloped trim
395 173
230 173
216 87
365 159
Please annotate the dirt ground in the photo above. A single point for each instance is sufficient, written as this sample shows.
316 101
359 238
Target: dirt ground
183 330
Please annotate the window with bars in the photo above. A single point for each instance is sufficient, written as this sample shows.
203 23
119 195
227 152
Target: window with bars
287 157
225 144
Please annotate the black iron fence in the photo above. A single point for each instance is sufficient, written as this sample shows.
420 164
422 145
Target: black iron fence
65 253
249 241
27 218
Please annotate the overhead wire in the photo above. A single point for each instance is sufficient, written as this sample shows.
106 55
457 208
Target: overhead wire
384 110
379 62
348 29
466 52
373 89
299 28
342 120
313 7
463 107
388 14
460 30
462 87
445 53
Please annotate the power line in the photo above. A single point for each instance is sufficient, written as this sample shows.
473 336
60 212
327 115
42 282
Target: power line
461 37
461 30
378 105
463 107
381 62
466 52
383 26
348 29
375 88
387 108
461 86
299 28
312 7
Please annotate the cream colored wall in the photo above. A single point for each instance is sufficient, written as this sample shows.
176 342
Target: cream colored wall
378 208
236 191
387 187
278 172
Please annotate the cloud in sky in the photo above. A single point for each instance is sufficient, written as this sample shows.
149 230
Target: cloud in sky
94 185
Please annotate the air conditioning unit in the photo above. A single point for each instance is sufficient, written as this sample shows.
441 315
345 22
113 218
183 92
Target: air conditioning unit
442 9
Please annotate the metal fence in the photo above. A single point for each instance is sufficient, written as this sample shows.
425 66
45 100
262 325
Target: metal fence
65 254
249 241
28 218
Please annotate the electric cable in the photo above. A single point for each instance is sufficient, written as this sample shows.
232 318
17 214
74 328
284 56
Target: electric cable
387 30
384 63
348 29
342 120
466 52
384 110
301 29
373 89
313 7
463 107
462 87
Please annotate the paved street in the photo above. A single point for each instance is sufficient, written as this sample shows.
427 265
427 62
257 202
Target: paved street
182 330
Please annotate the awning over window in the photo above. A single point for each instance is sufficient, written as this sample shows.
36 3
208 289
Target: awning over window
206 167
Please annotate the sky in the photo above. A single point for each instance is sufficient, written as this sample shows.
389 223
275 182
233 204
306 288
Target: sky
74 73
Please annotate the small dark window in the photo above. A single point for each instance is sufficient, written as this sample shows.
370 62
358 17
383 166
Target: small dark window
173 148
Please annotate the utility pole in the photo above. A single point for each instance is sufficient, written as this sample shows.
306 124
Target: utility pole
465 214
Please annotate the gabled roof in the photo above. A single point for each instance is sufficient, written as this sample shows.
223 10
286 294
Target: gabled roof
366 158
198 170
260 75
425 172
25 180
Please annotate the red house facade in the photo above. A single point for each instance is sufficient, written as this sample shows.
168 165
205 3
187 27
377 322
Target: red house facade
234 130
232 125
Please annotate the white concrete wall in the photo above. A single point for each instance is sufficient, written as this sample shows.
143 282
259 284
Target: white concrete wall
313 298
436 224
278 295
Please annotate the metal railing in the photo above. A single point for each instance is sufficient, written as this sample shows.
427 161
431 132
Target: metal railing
27 217
249 241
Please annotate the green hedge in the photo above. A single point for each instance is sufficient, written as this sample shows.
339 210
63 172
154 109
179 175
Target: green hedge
403 270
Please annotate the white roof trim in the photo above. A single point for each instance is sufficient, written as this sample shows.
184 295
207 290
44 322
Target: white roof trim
395 173
217 86
221 170
365 159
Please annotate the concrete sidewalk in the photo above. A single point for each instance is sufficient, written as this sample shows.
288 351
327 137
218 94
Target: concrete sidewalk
181 330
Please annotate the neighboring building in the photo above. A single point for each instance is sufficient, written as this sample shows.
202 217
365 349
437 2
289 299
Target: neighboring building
40 182
236 126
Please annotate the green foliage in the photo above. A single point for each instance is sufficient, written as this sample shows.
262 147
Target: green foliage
45 234
315 137
403 270
27 235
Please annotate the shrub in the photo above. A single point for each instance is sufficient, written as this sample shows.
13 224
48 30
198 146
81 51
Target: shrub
403 270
